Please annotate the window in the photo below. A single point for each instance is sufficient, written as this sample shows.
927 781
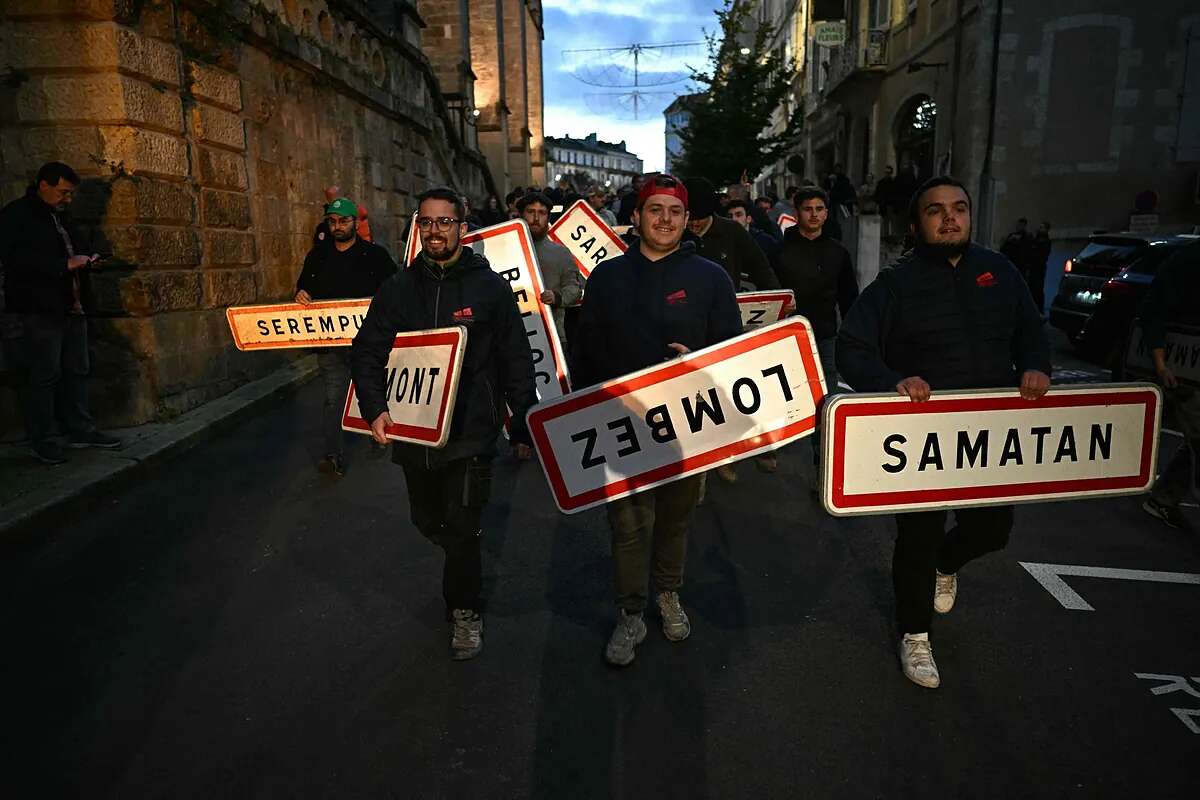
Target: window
1079 114
880 14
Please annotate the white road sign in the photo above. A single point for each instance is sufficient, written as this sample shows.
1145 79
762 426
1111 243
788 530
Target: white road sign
763 308
422 383
786 221
883 452
328 323
1181 353
589 238
736 399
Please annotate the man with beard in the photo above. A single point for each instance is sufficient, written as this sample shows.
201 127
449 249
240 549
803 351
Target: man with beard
562 283
657 301
448 284
951 315
344 267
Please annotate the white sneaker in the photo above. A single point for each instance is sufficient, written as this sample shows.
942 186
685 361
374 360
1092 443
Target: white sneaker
675 624
944 592
916 658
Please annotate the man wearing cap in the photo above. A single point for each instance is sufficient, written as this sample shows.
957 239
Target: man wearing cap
362 227
596 197
655 302
344 267
562 283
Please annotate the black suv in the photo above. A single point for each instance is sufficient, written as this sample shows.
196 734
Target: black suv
1103 286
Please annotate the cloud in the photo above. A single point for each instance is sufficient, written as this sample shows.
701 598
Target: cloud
649 10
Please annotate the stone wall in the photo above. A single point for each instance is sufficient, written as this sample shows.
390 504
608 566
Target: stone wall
205 131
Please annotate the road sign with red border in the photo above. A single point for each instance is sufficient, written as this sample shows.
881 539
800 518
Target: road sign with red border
786 221
325 323
422 384
589 239
885 453
742 397
763 308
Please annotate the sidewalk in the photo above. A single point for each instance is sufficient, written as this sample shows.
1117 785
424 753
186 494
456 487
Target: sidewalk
34 496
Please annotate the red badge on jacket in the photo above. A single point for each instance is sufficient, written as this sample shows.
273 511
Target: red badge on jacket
677 298
986 279
463 313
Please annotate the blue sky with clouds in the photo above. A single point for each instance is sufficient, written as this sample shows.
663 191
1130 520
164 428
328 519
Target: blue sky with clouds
588 24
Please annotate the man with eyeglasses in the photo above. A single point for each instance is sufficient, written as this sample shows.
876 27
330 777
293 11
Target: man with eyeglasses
347 267
449 284
657 301
46 285
562 281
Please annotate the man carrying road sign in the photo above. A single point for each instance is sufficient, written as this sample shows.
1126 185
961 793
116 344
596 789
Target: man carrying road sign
656 301
449 285
953 315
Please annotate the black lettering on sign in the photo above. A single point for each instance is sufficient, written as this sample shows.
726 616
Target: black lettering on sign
277 327
577 234
972 451
510 275
433 373
538 355
756 316
658 419
293 326
1066 445
889 447
587 246
599 255
308 325
1012 448
401 384
1100 441
755 397
588 437
627 436
710 407
931 454
418 383
1041 434
777 371
521 295
326 324
343 321
391 379
262 327
358 320
542 377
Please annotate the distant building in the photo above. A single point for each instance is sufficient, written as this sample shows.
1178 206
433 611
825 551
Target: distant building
676 118
605 164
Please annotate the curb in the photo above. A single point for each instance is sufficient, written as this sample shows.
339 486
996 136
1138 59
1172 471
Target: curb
29 517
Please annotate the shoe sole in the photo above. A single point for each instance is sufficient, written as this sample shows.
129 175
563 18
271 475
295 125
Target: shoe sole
465 655
936 683
671 638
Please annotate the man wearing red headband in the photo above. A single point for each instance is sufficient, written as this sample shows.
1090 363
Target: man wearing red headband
655 302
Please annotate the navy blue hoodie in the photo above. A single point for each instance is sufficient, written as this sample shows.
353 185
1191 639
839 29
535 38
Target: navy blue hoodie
633 308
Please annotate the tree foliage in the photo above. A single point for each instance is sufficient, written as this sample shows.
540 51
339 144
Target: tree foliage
730 130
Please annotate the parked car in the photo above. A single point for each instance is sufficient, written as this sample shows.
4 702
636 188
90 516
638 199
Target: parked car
1102 287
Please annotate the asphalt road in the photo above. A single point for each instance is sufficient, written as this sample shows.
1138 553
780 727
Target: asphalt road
239 626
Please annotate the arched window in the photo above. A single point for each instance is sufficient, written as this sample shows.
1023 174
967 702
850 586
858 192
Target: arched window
916 125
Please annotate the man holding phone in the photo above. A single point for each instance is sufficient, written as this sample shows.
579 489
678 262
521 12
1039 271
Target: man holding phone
45 283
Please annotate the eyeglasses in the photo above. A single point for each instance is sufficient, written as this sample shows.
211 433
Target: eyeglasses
443 223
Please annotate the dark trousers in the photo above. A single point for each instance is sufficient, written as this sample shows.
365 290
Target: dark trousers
334 363
1177 480
923 545
56 353
655 522
446 504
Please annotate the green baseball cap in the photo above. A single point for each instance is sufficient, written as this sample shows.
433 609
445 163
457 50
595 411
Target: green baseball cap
343 207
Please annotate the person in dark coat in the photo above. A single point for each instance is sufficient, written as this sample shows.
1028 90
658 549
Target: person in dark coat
1039 254
342 267
449 284
658 300
951 315
724 241
46 284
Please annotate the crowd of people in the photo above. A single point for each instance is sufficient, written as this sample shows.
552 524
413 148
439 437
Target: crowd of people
950 314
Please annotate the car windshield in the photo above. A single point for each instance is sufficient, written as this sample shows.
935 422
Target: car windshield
1110 253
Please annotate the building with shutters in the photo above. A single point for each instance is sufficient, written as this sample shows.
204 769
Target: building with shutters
592 161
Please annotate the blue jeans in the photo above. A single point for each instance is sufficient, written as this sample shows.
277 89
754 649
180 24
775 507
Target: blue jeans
56 354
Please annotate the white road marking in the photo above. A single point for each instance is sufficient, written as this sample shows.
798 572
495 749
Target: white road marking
1050 577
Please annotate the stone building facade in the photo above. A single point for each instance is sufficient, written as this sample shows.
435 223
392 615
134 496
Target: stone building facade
1060 111
605 164
205 131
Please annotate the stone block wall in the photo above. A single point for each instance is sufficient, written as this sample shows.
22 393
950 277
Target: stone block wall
205 131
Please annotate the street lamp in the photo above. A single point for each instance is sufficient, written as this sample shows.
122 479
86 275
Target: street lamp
745 51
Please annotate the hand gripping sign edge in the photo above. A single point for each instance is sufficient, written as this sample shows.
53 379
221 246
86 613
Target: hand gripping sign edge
842 407
456 337
795 329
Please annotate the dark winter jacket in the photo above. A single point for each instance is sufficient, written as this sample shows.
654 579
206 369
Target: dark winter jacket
731 246
820 274
497 364
332 274
633 308
34 258
970 326
1173 297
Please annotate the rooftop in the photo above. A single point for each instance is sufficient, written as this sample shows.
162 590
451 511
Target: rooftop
589 143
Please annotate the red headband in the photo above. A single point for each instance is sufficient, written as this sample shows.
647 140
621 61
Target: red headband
655 185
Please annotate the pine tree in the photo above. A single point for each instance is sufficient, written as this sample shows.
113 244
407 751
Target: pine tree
729 130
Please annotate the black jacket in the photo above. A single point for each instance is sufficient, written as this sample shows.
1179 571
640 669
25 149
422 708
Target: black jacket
34 257
331 274
497 364
731 246
633 308
1173 296
821 275
972 326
